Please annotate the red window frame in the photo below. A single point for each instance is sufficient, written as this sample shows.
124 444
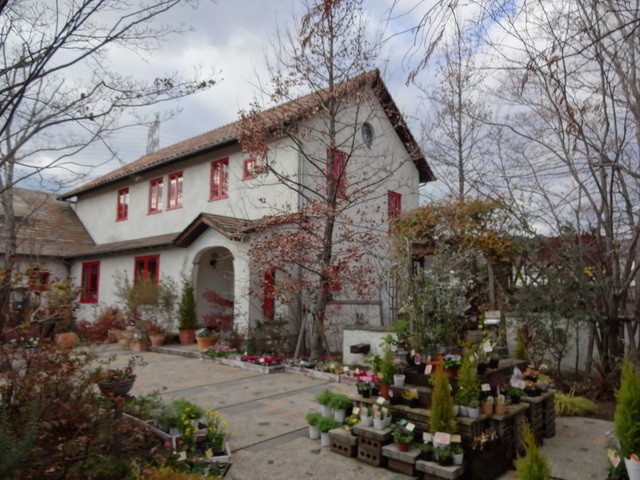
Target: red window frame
90 282
338 171
141 267
219 186
122 212
268 296
394 204
39 280
155 195
174 194
248 170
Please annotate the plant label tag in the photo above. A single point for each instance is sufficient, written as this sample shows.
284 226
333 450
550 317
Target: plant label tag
613 458
442 438
209 453
390 393
487 347
427 437
261 360
486 387
380 400
182 456
456 439
429 358
355 411
428 369
346 369
410 426
518 383
413 352
473 358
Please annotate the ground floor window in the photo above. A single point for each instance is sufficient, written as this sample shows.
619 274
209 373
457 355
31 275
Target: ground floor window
90 281
147 267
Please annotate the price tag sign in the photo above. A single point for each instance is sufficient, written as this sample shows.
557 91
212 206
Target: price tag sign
410 426
456 439
381 400
346 369
486 387
613 458
442 438
517 383
182 456
487 347
355 410
428 369
427 437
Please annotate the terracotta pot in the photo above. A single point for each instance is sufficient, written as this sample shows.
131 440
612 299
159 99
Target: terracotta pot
501 408
206 342
403 446
157 339
487 408
114 336
117 389
123 342
384 391
66 340
187 336
139 346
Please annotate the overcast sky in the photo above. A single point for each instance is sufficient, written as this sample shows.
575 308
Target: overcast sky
231 36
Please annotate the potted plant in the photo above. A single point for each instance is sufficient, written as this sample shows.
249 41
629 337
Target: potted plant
533 466
468 383
401 435
494 360
487 405
324 399
445 455
474 408
156 335
339 403
411 397
515 394
399 376
187 317
366 416
427 451
206 337
442 419
627 418
500 405
216 435
458 453
312 420
117 382
364 385
380 417
387 370
324 424
452 364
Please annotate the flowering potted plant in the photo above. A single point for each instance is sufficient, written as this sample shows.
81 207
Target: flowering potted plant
216 437
365 383
261 360
515 394
399 376
402 435
452 364
156 335
117 382
366 416
411 397
445 455
380 417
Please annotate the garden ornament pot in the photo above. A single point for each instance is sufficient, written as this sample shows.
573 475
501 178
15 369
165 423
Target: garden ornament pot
187 336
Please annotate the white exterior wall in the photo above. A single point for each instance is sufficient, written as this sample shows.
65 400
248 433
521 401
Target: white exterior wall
248 199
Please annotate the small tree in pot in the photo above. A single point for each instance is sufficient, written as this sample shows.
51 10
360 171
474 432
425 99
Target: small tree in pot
187 317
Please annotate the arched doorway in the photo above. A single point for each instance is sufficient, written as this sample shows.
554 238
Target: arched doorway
214 285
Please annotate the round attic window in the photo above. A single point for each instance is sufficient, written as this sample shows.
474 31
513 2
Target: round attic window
367 134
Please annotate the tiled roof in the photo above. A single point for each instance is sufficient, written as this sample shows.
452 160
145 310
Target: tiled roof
288 112
157 241
47 226
232 228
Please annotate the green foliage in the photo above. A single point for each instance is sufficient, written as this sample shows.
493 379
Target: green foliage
387 366
468 381
15 446
627 415
568 404
147 407
99 467
187 317
340 401
324 424
313 417
325 397
443 453
441 418
169 473
185 407
533 466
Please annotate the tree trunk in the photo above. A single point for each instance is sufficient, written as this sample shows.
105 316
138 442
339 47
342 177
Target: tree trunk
7 260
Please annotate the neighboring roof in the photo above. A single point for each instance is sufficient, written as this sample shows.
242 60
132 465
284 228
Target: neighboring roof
287 112
232 228
146 243
47 226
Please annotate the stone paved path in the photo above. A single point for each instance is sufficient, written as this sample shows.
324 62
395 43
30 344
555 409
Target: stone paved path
267 412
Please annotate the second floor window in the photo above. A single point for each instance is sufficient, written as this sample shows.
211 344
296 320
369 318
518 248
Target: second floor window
394 204
89 282
249 169
155 195
219 179
174 199
147 267
338 169
123 204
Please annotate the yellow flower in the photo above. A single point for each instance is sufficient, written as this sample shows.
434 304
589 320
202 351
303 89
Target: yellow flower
186 422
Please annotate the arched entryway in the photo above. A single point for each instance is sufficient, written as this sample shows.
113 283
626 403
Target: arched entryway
214 284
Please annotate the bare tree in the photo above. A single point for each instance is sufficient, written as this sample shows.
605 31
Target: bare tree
321 248
570 153
59 93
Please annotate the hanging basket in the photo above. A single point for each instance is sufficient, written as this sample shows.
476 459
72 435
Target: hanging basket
117 389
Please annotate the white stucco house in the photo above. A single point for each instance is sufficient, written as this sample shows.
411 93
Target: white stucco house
192 208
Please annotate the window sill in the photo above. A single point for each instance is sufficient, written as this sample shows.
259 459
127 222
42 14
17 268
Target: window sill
174 208
84 300
249 178
213 199
121 219
153 212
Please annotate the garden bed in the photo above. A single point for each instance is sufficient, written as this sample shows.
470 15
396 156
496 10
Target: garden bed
234 362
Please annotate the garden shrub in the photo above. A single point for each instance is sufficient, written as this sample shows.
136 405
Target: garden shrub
569 404
627 415
533 466
442 418
93 332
